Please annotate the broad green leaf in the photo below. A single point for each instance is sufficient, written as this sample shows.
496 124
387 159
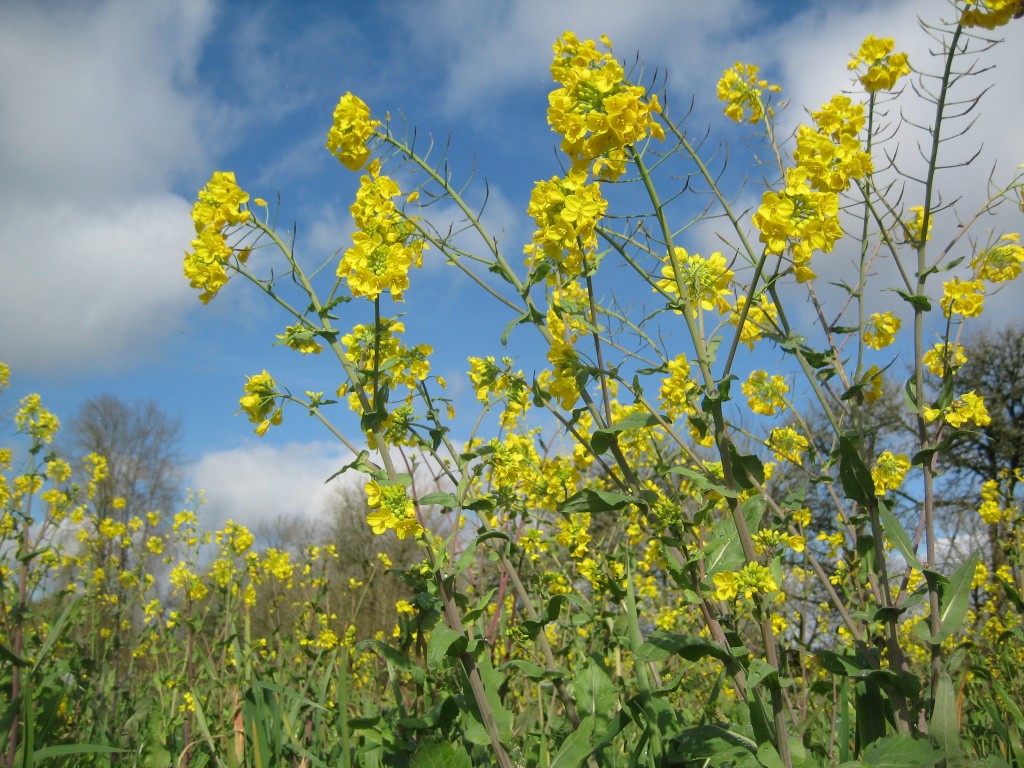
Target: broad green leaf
901 751
944 725
854 473
440 754
444 642
703 482
897 536
596 695
954 597
577 745
592 500
661 644
446 500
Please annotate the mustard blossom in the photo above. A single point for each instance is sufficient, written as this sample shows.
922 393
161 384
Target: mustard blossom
881 329
351 131
884 68
741 89
595 109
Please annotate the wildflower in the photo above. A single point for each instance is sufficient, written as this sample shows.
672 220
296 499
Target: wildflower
787 444
753 579
385 243
300 338
962 297
391 509
351 131
1002 262
677 388
741 90
889 470
701 283
881 330
761 318
914 227
944 356
218 207
966 408
258 402
765 394
34 420
596 111
989 14
884 68
566 212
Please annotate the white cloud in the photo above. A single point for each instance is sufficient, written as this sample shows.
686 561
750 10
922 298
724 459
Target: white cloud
98 116
260 482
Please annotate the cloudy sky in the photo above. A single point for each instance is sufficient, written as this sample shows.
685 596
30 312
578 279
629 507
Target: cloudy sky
113 113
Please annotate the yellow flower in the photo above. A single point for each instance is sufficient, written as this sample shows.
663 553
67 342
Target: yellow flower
881 329
884 68
391 508
741 89
962 297
966 408
702 283
1002 262
258 401
351 132
889 471
989 14
765 394
787 444
596 111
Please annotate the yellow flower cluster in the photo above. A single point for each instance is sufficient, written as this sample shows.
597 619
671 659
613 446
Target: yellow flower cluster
766 394
377 347
301 338
888 472
832 154
990 510
787 444
753 579
258 402
701 283
942 356
560 382
219 207
35 421
392 510
1002 261
884 68
769 541
989 14
596 111
385 244
566 211
677 388
881 329
761 318
493 383
741 90
969 407
351 132
798 218
915 227
962 297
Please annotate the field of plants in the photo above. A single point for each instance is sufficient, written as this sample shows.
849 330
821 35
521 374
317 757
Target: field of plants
646 554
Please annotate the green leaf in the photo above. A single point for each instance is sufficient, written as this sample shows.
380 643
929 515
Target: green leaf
577 745
854 473
661 644
747 468
944 726
901 751
592 500
920 303
703 482
446 500
954 597
602 439
596 695
444 642
897 536
440 754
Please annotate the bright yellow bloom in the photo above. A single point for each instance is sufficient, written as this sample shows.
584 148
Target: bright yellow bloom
881 330
218 207
493 383
914 227
884 68
34 420
761 318
941 356
1002 262
385 244
677 388
566 212
765 394
989 14
962 297
889 470
751 580
741 89
391 509
969 407
351 132
831 154
702 283
258 401
596 111
300 338
787 444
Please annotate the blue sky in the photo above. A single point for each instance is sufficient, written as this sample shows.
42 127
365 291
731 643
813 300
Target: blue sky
114 112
